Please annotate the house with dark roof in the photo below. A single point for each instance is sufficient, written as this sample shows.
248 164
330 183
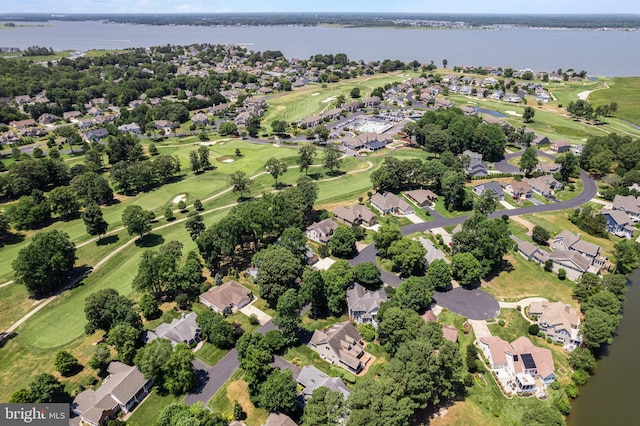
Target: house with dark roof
493 187
341 344
530 251
520 366
226 298
560 146
310 379
568 241
376 145
540 140
388 202
181 330
121 390
558 321
618 223
475 167
321 232
95 135
363 304
355 215
422 197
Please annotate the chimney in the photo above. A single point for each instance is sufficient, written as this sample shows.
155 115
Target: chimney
567 307
183 315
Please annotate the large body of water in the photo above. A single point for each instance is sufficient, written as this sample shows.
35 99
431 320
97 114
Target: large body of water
609 397
600 53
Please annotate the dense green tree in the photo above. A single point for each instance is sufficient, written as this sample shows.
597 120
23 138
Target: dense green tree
582 359
64 202
367 274
287 316
218 332
194 161
540 235
194 224
92 187
569 163
337 279
181 414
598 327
44 388
279 271
227 128
197 204
529 160
30 212
414 293
313 291
240 182
203 153
324 408
626 254
453 188
306 154
490 141
605 301
279 127
278 393
137 220
332 157
343 242
355 93
44 265
375 402
255 357
94 221
385 236
294 240
180 374
276 168
486 203
149 306
466 268
439 274
528 114
124 338
408 257
616 284
398 326
65 363
106 308
152 358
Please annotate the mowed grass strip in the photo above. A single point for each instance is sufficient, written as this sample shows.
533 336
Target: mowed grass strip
624 91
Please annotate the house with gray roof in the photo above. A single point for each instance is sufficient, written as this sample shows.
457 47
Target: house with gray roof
321 232
341 344
310 122
226 298
121 390
180 330
310 379
130 127
475 167
548 168
95 135
493 187
355 215
433 252
544 185
388 202
618 223
628 204
530 251
279 419
540 140
363 304
571 261
568 241
560 146
558 321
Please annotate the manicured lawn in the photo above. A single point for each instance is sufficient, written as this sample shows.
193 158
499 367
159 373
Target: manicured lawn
14 303
440 208
303 355
567 193
624 91
148 412
318 324
515 325
210 354
528 279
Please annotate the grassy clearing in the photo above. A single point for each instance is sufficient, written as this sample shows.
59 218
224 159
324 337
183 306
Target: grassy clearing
514 326
528 279
303 355
148 412
440 208
567 193
14 303
624 91
318 324
236 389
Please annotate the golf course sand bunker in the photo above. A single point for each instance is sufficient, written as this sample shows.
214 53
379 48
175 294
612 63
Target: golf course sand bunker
181 197
228 160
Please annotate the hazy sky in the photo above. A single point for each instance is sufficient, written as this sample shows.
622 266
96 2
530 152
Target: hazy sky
424 6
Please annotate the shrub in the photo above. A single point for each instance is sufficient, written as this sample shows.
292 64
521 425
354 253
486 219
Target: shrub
367 332
182 205
534 329
580 377
562 274
168 214
501 323
238 412
253 320
572 390
65 363
549 340
183 301
519 308
197 204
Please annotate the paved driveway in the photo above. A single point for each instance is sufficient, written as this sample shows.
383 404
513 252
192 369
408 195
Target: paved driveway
414 218
249 310
473 304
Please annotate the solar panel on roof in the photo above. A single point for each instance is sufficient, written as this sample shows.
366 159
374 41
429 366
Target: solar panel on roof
528 361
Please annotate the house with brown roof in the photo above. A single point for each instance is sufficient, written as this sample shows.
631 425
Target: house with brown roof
121 390
560 146
422 197
351 106
520 365
200 118
518 190
71 115
363 304
372 101
21 124
279 419
48 119
333 113
341 344
558 321
226 298
390 203
548 168
321 232
310 122
355 215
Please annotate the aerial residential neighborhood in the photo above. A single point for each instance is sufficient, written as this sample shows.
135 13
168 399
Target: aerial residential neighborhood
208 234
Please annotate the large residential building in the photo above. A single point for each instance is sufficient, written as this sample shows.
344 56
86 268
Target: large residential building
521 367
340 345
475 167
567 241
355 215
321 232
628 204
388 202
619 223
558 321
180 330
226 298
544 185
310 379
121 390
422 197
363 304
